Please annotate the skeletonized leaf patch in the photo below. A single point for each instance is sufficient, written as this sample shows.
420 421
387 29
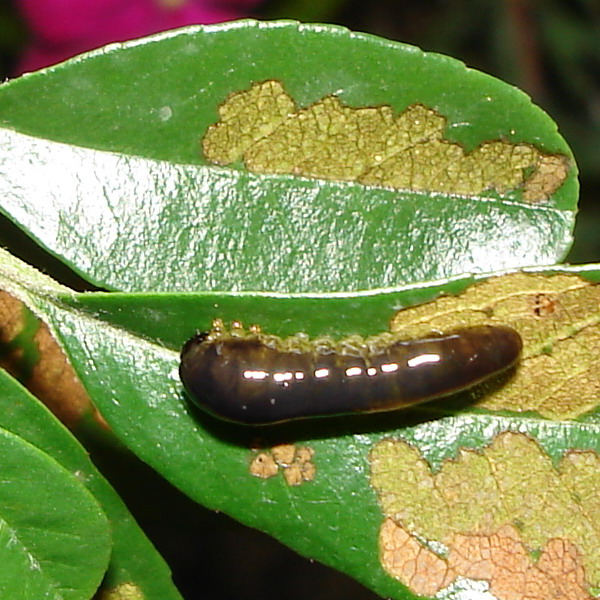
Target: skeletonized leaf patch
372 146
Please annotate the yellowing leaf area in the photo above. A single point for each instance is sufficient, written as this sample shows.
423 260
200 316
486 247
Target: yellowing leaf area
263 127
558 317
505 515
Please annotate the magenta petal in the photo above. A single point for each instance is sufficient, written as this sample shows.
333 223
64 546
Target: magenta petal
63 28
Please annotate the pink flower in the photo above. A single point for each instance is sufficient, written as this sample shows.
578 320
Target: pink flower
63 28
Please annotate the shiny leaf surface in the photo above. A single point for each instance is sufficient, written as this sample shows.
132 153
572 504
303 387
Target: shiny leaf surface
109 146
308 484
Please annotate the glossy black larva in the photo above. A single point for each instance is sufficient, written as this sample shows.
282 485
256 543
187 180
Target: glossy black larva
250 377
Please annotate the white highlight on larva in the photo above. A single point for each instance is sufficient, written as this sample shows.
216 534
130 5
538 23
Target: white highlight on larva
281 377
284 376
423 359
353 371
257 375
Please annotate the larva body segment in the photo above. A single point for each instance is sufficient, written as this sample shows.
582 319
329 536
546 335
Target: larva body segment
254 378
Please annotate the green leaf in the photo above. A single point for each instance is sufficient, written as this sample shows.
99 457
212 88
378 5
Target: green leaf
125 349
54 537
134 188
133 560
108 145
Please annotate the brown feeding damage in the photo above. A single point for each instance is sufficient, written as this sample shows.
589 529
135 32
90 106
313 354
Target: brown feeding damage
373 146
558 319
504 514
294 461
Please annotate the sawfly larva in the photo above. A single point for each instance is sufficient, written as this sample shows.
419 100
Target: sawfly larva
251 377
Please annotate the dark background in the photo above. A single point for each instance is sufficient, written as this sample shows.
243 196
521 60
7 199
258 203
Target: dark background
549 48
